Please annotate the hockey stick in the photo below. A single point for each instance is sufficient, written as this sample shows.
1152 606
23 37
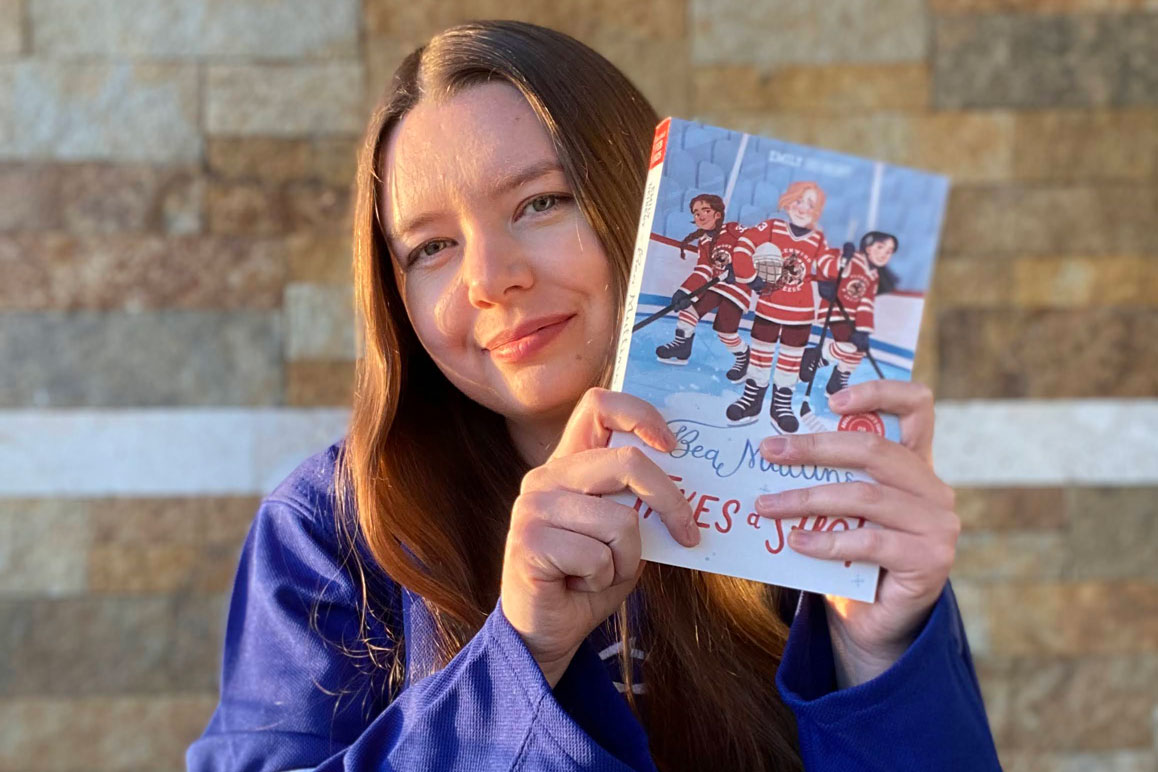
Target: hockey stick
845 262
692 296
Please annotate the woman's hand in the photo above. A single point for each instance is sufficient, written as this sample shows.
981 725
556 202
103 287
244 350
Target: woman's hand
572 557
916 544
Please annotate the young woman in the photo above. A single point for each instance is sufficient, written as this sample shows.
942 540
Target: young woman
446 589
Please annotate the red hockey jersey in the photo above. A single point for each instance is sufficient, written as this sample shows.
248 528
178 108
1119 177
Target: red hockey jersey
788 296
715 257
858 289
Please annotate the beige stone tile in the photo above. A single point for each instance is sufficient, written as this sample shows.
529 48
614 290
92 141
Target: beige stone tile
318 208
1074 618
1086 145
136 272
288 100
1113 533
118 111
245 208
1034 6
319 258
994 557
319 322
328 160
317 384
1048 354
43 543
1084 282
11 26
101 733
180 521
106 198
968 146
837 88
738 32
974 283
1090 703
1012 509
1127 760
280 29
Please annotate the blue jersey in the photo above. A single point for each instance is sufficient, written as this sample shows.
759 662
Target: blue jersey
299 691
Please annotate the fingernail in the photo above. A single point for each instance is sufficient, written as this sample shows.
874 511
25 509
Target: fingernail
774 446
800 538
693 533
767 501
839 399
670 436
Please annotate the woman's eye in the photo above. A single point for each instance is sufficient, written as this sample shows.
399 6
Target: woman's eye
429 249
542 203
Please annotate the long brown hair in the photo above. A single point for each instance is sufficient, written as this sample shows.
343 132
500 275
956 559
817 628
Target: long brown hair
431 511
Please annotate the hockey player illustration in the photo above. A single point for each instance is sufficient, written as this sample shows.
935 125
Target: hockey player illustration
848 291
715 240
777 259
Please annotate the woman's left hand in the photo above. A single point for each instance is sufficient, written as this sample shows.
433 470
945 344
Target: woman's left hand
916 542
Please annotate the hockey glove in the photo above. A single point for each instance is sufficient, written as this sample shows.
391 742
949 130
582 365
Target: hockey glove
680 299
757 284
827 290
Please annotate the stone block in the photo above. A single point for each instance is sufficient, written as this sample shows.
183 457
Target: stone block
974 283
994 557
1047 354
319 384
285 100
11 26
1012 509
99 111
103 198
737 32
106 732
1092 703
1113 533
1086 145
1002 221
968 146
328 160
113 645
1128 760
319 322
318 208
1084 282
141 359
830 88
1072 619
320 258
30 196
282 29
1007 60
43 543
134 272
1035 6
245 208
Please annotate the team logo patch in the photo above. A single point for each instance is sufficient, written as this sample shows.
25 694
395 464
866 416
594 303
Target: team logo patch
862 422
721 256
855 288
792 275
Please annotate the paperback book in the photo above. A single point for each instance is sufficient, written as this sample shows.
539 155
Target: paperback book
768 276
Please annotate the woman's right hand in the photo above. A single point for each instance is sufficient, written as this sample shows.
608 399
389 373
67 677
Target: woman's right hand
572 557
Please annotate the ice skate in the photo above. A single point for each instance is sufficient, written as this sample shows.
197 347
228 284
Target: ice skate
782 416
677 351
747 408
837 381
740 368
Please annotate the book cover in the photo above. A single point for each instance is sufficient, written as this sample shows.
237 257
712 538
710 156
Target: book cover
767 276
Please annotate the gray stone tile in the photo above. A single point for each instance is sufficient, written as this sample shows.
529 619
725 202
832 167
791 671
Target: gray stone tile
43 546
1113 533
97 111
1042 60
140 359
285 100
741 32
11 26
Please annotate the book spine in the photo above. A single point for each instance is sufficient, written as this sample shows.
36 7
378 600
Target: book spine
639 257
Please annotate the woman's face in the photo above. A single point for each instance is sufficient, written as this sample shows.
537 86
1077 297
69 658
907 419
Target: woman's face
879 252
705 217
802 211
505 283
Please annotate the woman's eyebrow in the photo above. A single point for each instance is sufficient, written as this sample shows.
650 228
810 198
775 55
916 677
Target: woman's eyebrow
502 184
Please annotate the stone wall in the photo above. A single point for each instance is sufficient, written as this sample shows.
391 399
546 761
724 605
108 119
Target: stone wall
175 323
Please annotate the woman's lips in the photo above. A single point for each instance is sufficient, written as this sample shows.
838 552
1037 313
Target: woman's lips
530 344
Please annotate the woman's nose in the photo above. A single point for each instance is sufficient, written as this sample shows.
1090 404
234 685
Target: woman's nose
493 266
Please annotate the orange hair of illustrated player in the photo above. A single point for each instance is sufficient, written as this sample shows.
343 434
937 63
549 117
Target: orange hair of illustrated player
797 190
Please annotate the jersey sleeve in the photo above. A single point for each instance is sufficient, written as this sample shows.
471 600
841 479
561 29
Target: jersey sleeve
924 712
828 265
700 275
291 699
745 246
